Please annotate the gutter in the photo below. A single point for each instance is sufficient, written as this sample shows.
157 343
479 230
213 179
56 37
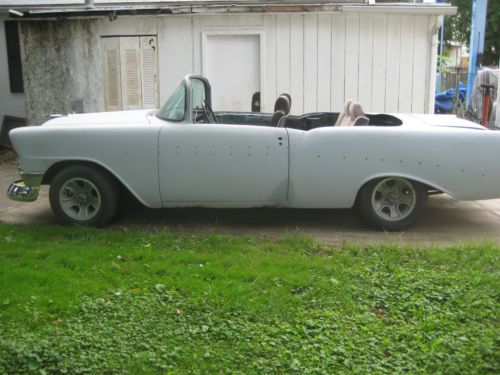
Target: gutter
225 8
404 8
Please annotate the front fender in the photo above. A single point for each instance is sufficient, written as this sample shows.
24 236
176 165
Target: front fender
130 153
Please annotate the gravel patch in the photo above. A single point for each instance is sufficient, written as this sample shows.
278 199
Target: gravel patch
7 155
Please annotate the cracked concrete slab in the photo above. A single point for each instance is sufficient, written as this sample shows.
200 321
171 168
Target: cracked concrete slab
447 221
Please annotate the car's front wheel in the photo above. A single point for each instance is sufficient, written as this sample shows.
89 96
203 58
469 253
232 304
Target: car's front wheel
83 195
392 203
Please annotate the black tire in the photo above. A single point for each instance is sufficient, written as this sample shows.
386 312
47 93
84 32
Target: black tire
84 195
392 203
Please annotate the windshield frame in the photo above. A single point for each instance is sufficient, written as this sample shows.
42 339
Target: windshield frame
188 99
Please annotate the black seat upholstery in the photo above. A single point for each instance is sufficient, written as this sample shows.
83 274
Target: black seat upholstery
282 108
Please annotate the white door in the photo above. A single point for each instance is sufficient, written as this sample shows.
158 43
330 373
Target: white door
232 65
214 164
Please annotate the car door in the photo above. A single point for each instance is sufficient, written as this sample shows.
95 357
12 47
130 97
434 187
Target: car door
222 165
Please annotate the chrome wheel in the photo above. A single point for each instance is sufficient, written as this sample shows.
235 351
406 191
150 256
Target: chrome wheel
393 199
80 199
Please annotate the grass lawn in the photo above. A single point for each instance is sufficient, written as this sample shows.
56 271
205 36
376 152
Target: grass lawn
76 300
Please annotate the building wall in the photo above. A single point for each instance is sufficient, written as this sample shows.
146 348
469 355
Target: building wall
11 104
386 61
61 64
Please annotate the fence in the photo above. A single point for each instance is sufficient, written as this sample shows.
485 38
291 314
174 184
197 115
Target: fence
451 79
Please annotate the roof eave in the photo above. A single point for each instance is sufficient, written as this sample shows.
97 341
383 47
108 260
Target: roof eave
152 9
404 8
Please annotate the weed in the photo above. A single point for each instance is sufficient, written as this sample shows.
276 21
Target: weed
76 300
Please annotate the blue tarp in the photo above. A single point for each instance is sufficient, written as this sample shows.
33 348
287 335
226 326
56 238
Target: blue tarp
444 101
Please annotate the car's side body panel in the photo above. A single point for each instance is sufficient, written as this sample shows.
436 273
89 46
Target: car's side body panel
329 165
165 164
223 165
129 152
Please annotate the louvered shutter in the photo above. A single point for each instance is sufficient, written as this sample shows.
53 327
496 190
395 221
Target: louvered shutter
130 57
149 65
112 80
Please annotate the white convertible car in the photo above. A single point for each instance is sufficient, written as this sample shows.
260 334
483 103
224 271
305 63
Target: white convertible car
184 154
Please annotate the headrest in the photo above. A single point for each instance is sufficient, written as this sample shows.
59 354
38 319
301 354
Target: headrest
283 104
355 110
347 104
288 97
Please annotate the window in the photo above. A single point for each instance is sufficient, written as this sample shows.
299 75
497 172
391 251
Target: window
175 107
14 57
130 67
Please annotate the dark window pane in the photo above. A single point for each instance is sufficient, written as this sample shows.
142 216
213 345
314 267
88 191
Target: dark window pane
14 57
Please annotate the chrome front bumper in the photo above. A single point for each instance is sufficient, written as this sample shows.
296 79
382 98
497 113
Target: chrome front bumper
19 191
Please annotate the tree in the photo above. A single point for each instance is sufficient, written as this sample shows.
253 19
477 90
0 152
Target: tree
457 28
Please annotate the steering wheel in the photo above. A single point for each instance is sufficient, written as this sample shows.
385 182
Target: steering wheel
208 113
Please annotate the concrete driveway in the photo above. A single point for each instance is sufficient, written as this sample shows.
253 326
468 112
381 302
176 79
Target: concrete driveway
446 221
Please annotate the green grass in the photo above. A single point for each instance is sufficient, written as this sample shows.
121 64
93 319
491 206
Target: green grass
76 300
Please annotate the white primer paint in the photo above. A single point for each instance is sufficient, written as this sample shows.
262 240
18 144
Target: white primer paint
168 164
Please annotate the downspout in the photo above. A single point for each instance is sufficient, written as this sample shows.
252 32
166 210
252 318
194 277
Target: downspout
476 46
497 119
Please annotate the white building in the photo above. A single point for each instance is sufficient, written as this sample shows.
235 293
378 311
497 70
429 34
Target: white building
110 55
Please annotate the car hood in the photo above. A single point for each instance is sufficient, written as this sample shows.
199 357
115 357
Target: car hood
103 118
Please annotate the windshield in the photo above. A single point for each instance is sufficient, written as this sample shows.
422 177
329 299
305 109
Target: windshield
175 107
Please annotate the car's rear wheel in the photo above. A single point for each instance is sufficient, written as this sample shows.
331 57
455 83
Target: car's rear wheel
392 203
84 195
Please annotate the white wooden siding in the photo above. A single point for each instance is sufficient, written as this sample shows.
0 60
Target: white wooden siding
365 60
297 62
310 63
379 61
382 60
392 63
351 80
175 52
324 60
282 53
337 85
269 91
421 68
